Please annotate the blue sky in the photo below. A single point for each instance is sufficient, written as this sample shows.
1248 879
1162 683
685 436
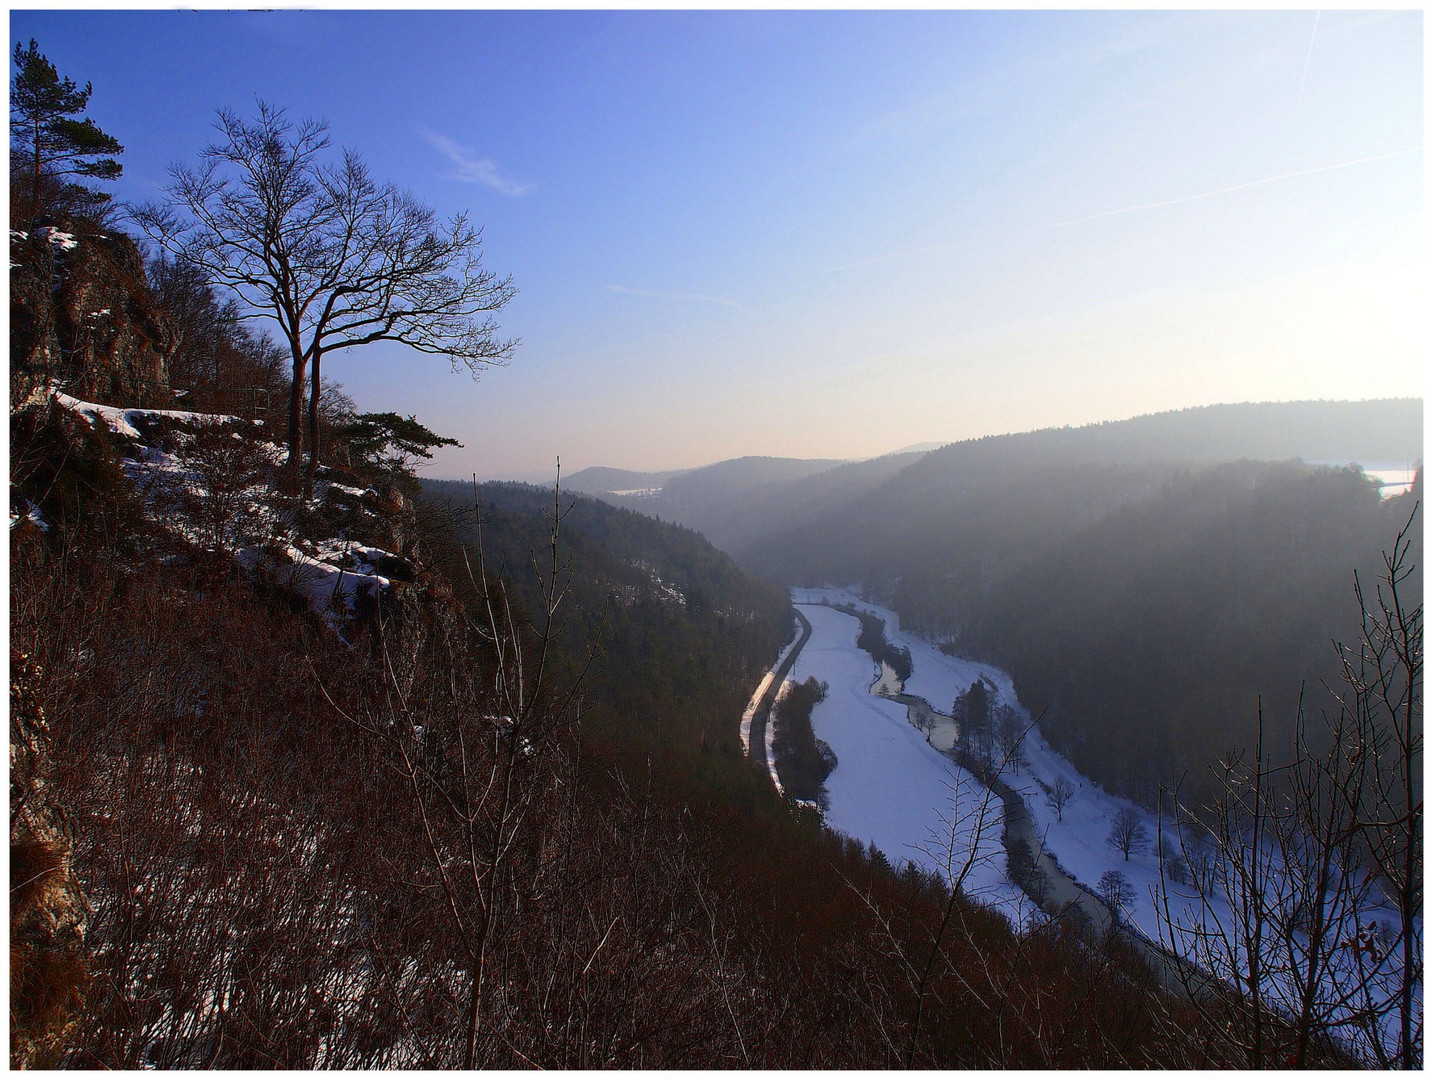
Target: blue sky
834 234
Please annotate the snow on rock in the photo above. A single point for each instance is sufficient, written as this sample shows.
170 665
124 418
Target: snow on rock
256 530
62 240
123 421
325 586
23 511
334 485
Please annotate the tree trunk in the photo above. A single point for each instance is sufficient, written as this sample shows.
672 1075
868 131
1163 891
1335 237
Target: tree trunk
315 389
35 191
296 390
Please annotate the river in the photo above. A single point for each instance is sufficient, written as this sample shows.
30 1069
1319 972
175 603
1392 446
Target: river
916 796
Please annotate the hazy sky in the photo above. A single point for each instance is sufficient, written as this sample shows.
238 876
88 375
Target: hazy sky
834 234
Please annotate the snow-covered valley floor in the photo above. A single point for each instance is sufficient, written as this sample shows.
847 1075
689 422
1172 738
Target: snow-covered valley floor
1076 837
889 787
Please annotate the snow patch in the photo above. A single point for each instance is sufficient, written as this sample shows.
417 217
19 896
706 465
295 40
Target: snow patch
122 421
62 240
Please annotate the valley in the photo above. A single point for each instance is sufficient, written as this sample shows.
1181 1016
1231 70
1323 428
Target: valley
1004 652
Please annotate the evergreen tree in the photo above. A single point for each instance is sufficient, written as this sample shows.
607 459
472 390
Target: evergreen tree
392 443
972 712
47 142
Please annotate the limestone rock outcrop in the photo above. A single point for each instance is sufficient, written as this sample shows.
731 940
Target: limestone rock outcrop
82 315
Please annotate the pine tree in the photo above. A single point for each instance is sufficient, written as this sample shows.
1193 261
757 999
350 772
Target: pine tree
972 713
46 139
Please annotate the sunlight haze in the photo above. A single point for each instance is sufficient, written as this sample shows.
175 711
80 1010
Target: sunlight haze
834 234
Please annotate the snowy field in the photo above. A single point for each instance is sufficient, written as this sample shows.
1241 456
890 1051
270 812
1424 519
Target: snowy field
891 789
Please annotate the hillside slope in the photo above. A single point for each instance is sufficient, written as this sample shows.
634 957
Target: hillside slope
734 502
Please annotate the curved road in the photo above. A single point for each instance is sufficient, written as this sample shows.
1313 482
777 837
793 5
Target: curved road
771 685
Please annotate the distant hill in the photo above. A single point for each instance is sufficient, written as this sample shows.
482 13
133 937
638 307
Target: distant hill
742 474
601 480
916 448
805 519
734 502
705 499
924 496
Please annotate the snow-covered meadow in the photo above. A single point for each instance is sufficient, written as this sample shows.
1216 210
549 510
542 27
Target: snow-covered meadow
889 787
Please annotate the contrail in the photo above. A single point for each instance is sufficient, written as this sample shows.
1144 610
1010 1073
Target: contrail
1307 57
1226 190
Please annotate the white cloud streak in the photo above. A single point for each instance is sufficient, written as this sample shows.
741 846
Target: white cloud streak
471 169
1227 190
672 295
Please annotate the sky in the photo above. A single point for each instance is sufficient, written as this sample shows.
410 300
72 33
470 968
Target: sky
836 234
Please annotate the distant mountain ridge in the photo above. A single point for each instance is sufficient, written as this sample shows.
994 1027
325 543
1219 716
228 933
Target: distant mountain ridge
733 502
1118 460
1387 429
745 505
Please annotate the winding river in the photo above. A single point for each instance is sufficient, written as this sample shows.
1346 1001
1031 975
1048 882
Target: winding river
1048 885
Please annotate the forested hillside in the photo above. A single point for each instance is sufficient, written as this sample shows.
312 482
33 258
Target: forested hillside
925 498
677 634
1142 597
1149 639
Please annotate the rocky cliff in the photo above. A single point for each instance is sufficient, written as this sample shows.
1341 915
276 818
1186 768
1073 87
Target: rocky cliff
82 315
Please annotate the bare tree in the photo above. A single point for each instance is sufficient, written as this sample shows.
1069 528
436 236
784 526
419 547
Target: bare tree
1309 902
1127 833
1059 794
334 258
1009 736
1116 891
480 752
1385 679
